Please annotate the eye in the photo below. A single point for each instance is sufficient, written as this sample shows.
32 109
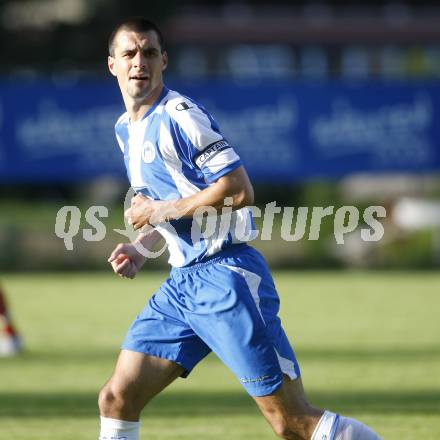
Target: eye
150 53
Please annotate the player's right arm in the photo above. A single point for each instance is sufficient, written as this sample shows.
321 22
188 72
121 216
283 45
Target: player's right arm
126 260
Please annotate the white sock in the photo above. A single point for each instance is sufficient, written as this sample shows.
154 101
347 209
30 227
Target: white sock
113 429
335 427
351 429
326 427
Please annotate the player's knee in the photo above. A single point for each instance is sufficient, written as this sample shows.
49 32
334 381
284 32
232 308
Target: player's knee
285 429
285 432
113 399
106 400
295 424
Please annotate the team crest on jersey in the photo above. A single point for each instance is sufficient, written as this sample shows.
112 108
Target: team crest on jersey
148 152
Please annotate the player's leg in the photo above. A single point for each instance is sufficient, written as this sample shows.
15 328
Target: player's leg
237 317
287 408
10 342
292 418
255 349
136 380
288 411
158 348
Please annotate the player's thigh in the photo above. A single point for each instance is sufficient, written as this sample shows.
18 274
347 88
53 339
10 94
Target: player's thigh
140 377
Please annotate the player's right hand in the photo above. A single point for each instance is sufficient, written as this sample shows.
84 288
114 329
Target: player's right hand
126 260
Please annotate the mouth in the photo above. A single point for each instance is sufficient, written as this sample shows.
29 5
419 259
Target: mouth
139 77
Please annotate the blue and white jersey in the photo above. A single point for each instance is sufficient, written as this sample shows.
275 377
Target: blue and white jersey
174 151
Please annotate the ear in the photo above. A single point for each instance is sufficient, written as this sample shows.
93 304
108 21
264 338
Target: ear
164 60
111 65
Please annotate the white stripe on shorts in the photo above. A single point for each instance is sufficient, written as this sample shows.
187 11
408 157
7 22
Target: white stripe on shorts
253 281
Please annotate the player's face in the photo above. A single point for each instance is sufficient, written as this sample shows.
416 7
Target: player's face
138 63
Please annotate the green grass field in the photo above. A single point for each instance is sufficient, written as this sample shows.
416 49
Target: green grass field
368 345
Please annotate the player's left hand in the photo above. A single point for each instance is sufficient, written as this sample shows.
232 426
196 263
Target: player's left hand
144 211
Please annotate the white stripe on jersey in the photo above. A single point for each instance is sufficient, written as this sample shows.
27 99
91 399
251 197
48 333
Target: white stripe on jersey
173 164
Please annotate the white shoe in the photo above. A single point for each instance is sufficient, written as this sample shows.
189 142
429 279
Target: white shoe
10 346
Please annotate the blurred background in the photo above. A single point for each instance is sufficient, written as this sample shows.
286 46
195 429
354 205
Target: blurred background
328 103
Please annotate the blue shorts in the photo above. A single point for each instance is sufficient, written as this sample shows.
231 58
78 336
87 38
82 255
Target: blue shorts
227 304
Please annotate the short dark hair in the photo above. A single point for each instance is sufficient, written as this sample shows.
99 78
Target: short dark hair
136 24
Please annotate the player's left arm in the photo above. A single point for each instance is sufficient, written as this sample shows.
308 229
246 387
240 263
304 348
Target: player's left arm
234 186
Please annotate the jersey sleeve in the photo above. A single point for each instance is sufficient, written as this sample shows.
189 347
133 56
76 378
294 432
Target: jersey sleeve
200 142
121 132
120 143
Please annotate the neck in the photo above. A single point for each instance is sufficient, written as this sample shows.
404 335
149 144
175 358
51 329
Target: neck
137 108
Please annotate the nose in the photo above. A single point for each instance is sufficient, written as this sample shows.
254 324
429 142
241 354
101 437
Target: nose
139 60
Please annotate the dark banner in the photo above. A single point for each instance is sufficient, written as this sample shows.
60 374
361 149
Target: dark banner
63 131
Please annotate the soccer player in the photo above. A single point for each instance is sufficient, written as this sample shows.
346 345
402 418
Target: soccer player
10 342
220 295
